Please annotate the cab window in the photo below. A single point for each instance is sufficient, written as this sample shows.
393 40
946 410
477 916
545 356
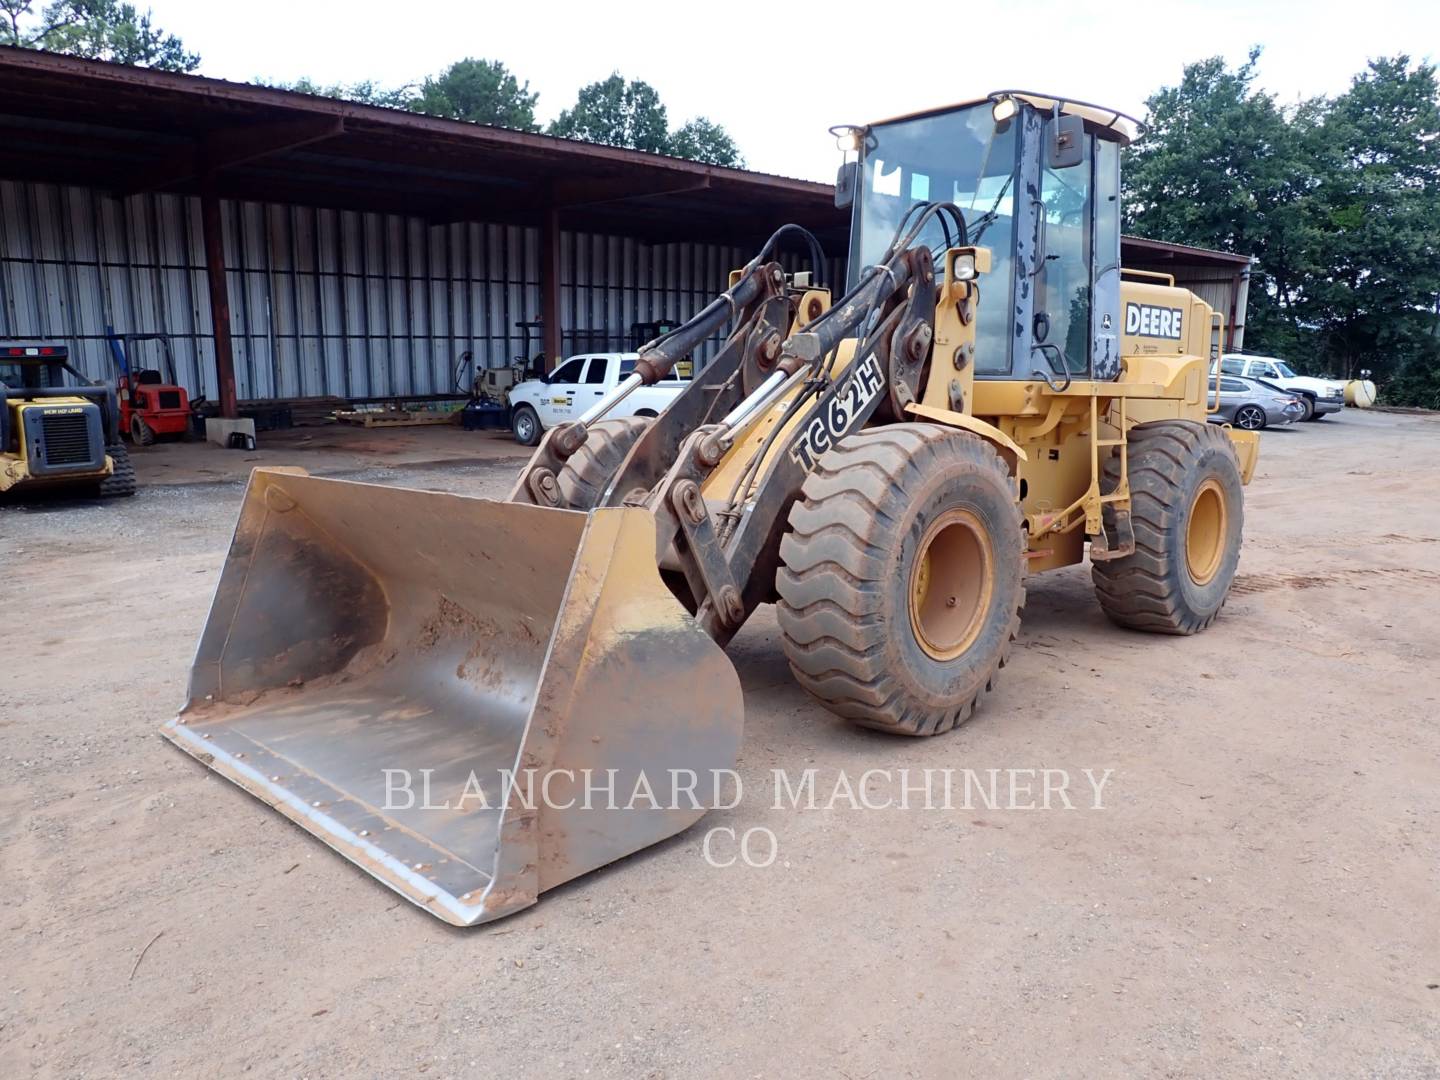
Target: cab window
595 373
1233 367
960 157
29 376
679 373
569 372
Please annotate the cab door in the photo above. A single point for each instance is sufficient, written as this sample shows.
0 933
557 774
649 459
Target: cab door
558 405
596 378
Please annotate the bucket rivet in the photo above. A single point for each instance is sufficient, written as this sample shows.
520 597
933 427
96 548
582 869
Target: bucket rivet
275 779
364 832
206 735
314 804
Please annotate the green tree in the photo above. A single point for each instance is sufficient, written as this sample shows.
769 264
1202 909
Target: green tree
617 113
1222 166
95 30
481 91
367 92
702 140
630 115
1375 293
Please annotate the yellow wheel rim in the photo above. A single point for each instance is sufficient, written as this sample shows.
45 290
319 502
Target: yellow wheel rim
1205 535
951 584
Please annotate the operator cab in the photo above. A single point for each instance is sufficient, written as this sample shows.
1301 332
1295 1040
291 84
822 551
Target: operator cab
1038 182
36 366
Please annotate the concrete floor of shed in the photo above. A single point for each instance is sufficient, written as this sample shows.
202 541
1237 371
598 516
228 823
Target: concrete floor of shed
328 450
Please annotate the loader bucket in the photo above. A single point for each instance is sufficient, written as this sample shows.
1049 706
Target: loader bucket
473 701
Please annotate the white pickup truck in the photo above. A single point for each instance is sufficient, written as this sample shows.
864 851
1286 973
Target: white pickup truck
577 384
1318 397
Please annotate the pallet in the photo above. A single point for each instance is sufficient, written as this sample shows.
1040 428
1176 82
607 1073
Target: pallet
394 418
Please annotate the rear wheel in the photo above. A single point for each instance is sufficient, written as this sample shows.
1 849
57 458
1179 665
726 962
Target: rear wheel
901 584
121 482
588 471
1250 417
140 432
1187 510
525 424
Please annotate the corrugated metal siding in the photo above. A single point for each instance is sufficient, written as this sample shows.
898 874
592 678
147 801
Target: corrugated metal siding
323 302
1218 293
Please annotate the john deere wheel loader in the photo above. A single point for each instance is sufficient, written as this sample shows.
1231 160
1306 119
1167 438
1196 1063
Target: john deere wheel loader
476 701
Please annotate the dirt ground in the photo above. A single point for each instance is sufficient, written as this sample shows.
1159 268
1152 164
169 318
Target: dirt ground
1259 895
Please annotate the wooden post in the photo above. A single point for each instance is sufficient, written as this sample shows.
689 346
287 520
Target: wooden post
550 286
219 294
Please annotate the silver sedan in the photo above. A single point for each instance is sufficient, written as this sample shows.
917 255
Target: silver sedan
1252 405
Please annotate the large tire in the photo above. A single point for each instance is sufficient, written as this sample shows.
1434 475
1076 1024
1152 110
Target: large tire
141 433
588 471
1307 407
525 425
1187 507
121 482
891 528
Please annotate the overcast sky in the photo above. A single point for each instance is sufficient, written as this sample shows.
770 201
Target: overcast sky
741 64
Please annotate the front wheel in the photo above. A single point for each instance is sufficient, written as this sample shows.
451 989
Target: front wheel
141 433
1307 409
1187 507
525 424
1250 417
901 579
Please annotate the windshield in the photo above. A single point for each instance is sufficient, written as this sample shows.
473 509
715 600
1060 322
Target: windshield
959 157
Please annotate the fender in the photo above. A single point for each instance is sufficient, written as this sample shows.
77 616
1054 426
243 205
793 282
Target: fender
1009 449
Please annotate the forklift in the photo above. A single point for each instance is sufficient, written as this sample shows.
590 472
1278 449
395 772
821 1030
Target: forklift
152 403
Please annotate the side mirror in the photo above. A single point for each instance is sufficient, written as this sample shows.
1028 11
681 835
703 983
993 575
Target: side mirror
1065 142
847 182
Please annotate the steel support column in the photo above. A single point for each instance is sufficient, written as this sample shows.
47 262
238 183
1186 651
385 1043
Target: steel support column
550 286
219 294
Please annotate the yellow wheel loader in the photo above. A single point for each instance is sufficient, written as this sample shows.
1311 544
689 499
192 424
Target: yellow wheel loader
476 701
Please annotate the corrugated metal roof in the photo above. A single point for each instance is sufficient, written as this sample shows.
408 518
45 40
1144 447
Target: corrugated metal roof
67 120
1143 251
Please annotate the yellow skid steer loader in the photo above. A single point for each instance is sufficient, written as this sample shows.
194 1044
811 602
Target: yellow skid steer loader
476 701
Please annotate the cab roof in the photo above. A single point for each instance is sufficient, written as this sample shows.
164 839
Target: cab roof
1126 128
